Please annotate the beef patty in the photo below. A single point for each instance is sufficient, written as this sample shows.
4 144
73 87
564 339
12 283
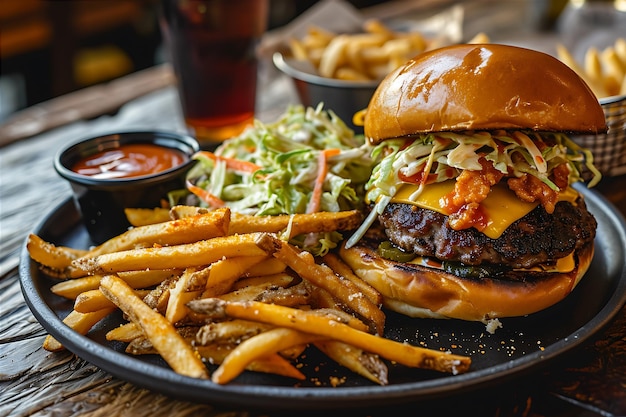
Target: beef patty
536 238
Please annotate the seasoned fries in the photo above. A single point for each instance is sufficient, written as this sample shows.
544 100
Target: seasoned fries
80 322
365 56
203 252
94 300
366 364
233 293
604 71
258 346
144 216
329 327
56 259
324 277
188 229
164 337
295 224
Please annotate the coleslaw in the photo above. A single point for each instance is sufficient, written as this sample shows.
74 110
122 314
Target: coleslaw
306 161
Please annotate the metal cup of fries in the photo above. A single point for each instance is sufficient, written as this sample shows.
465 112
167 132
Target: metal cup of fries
343 97
342 70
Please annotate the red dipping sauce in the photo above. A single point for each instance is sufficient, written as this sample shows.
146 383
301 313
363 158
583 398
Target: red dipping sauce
130 160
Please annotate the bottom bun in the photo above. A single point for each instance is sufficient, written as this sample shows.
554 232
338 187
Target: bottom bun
418 291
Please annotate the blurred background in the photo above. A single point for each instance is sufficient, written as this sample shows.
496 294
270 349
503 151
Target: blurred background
52 47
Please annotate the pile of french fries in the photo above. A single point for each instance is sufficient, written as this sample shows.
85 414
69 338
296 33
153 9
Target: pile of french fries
215 293
604 71
365 56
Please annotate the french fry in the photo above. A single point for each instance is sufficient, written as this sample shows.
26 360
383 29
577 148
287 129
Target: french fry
592 65
281 279
272 364
255 287
566 57
614 70
158 298
620 50
333 56
173 232
163 336
146 278
293 296
308 322
376 26
350 74
228 332
318 37
145 216
124 333
72 288
181 211
397 50
261 345
320 298
179 296
357 360
322 276
223 273
268 266
79 322
141 345
335 313
54 257
341 268
604 71
298 49
94 300
199 253
480 37
296 224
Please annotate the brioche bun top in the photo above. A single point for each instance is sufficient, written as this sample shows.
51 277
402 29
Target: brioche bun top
482 87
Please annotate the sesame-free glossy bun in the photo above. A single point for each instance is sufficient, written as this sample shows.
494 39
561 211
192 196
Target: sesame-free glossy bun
482 87
418 291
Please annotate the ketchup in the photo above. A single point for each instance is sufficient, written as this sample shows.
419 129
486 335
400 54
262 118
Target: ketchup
131 160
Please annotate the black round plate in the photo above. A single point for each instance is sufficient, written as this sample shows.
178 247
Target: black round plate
523 344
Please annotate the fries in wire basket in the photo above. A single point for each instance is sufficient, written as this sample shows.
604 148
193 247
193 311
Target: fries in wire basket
603 70
196 293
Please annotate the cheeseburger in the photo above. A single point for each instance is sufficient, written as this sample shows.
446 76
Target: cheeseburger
473 215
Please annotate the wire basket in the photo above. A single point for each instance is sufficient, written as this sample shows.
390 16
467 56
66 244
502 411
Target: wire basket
609 149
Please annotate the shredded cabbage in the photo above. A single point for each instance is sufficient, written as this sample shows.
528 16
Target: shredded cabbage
287 152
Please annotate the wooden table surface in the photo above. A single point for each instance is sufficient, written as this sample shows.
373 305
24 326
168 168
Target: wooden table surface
591 381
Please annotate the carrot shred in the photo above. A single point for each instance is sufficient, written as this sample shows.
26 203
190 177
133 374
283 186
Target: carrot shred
318 188
232 163
209 198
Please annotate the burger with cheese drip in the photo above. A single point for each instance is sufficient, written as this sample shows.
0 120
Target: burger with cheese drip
473 214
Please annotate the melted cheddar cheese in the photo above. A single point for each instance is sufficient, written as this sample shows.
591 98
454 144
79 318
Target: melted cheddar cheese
502 207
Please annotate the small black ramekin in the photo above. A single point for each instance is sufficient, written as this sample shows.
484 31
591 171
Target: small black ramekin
102 201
